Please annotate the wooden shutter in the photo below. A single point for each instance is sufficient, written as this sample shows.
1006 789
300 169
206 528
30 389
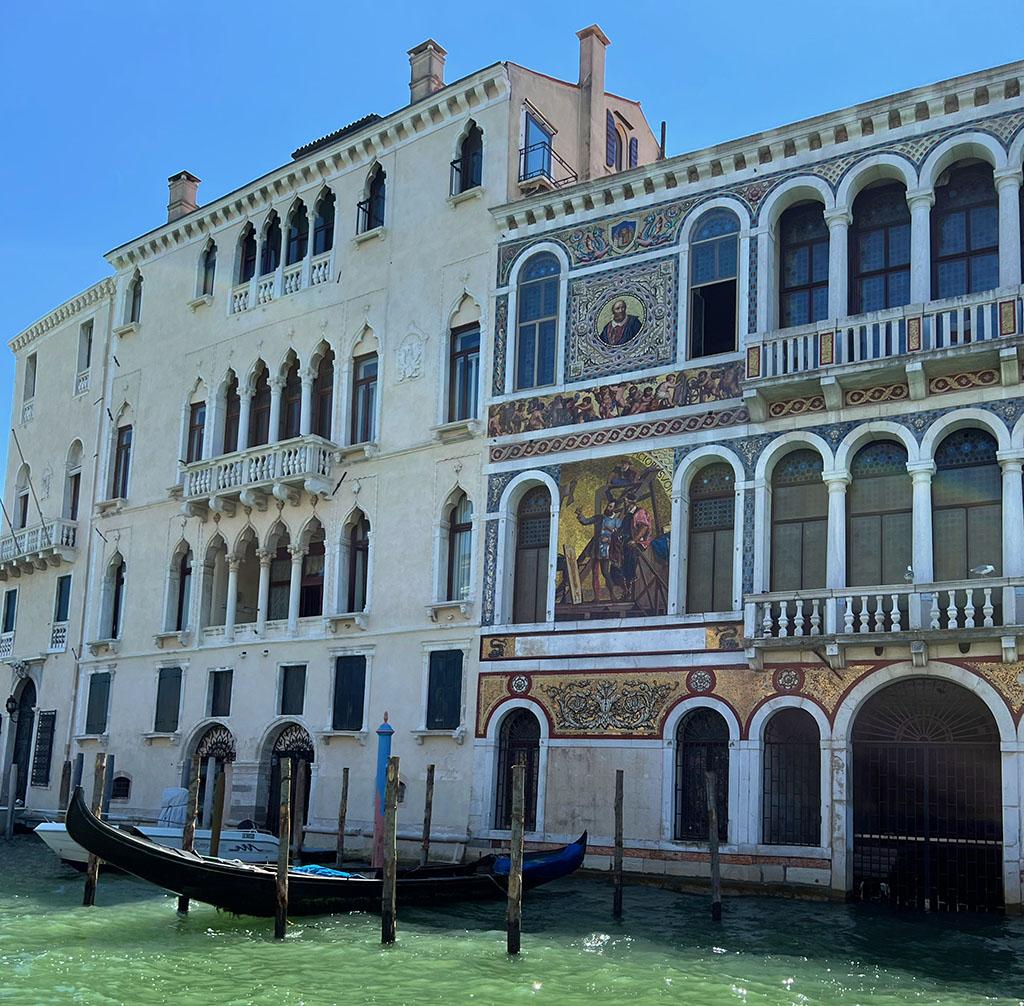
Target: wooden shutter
611 140
96 709
43 754
349 687
293 690
168 697
634 153
444 690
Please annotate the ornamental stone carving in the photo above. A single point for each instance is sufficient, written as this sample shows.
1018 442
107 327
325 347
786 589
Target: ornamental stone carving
629 705
409 358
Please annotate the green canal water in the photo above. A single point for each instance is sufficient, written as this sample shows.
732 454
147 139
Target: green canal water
133 949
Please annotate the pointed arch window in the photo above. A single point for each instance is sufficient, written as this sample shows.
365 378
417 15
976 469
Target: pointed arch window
364 399
799 506
358 563
135 299
532 556
880 523
208 270
247 254
714 268
289 423
965 232
702 745
467 168
196 432
518 743
709 557
271 257
73 481
803 258
323 224
280 583
460 548
184 591
311 594
537 321
122 462
880 249
464 372
967 505
370 212
232 412
323 396
298 234
259 411
21 493
791 783
116 576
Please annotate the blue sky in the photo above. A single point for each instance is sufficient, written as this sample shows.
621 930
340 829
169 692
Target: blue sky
100 102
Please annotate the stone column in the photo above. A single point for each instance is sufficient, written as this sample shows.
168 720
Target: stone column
231 605
1012 462
835 563
921 473
838 252
920 203
1008 187
295 584
276 384
306 413
263 594
244 405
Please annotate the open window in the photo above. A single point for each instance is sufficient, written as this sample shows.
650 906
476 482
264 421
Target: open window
714 268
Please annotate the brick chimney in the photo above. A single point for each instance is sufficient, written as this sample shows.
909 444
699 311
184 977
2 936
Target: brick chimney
593 43
181 201
426 61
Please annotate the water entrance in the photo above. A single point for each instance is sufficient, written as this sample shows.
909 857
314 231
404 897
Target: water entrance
927 799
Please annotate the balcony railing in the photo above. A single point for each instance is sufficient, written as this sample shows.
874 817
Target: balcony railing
291 281
58 637
37 546
6 644
265 289
282 468
885 334
320 269
240 298
82 383
539 162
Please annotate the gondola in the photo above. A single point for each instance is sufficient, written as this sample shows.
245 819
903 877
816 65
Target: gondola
250 890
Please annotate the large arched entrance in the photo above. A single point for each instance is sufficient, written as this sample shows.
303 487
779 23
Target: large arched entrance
294 743
518 741
216 750
927 799
24 720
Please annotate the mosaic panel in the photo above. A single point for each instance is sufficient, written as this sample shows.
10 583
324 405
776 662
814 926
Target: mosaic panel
490 572
872 396
612 401
613 537
948 383
500 344
796 407
748 541
622 320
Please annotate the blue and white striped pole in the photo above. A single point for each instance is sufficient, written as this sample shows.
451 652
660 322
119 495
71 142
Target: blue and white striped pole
384 734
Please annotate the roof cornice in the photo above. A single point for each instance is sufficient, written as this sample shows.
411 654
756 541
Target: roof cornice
958 100
353 150
76 305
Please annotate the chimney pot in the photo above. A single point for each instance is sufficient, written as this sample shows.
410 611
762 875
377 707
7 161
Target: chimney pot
183 188
426 64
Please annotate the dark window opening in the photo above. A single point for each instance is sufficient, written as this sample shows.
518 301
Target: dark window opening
311 592
323 224
532 556
463 373
709 559
702 745
196 431
97 703
298 235
288 425
965 232
364 398
293 690
271 257
880 249
259 412
803 285
122 463
247 255
349 691
168 699
518 743
358 564
537 324
444 690
791 814
220 692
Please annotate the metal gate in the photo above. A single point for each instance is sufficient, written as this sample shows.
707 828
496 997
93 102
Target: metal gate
927 799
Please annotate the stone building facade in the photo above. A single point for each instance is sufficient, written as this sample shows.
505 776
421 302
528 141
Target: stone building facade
758 511
277 442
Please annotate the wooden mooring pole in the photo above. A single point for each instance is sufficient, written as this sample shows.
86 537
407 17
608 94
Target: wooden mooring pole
284 830
188 834
65 787
12 786
217 824
428 809
92 870
388 904
342 814
299 817
617 861
514 923
716 876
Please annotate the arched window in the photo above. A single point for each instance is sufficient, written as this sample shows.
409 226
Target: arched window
967 505
460 548
113 621
702 745
122 462
467 168
799 507
295 745
232 412
791 813
135 299
184 591
358 563
215 584
298 234
537 324
518 743
271 257
370 212
208 270
709 555
311 593
280 581
803 259
463 372
21 494
247 254
323 396
714 263
323 224
73 481
196 432
248 578
288 425
532 556
880 249
121 788
259 411
965 232
364 399
879 502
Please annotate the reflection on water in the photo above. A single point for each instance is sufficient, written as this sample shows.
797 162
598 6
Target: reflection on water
133 949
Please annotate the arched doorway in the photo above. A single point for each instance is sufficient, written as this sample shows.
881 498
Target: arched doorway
518 741
294 743
927 799
702 746
216 750
24 720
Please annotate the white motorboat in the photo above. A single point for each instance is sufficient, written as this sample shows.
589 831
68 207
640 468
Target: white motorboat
246 846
